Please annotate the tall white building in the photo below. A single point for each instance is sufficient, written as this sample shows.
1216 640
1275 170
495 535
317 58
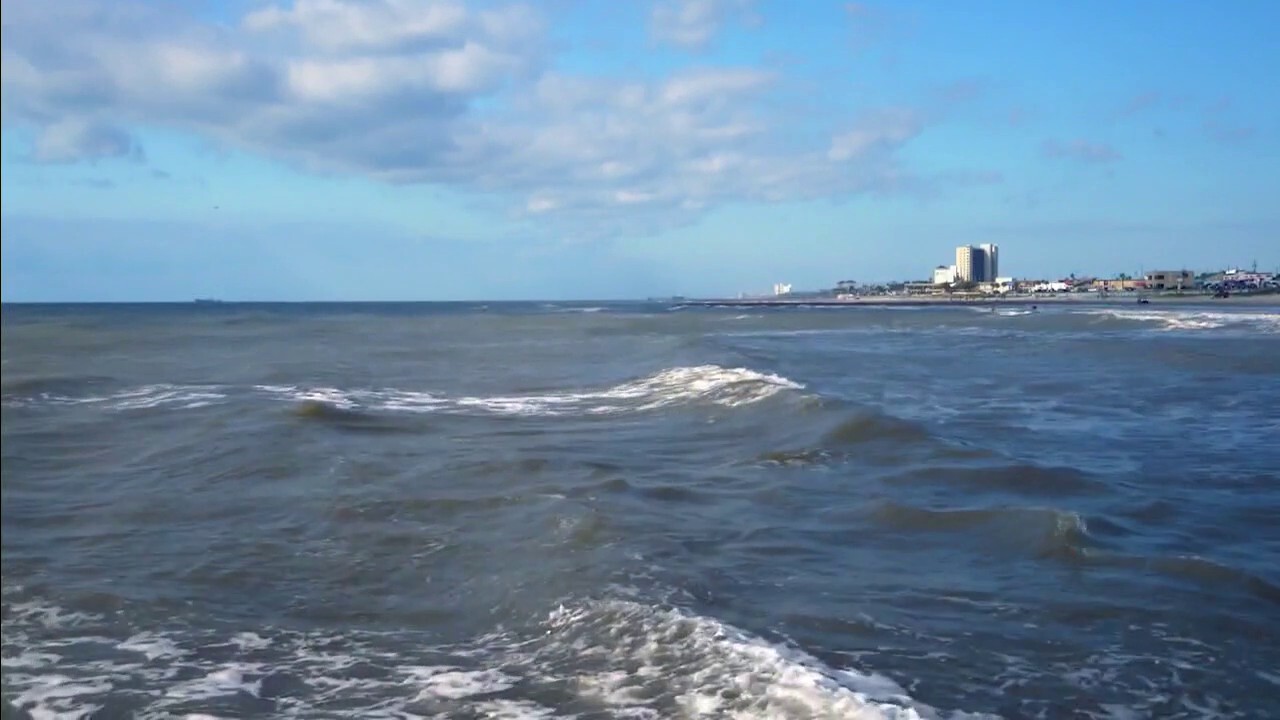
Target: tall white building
965 263
977 264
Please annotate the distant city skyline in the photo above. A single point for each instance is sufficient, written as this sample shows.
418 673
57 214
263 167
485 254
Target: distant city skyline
436 149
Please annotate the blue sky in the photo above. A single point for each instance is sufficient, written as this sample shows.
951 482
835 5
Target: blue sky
436 149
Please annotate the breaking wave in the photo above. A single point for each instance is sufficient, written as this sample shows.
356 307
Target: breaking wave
611 658
1196 320
713 384
139 398
656 662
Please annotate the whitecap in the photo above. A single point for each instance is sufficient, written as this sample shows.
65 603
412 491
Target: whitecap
59 696
712 668
453 683
152 646
1260 322
626 657
727 387
228 680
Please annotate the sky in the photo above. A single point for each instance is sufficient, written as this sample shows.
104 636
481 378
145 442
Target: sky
566 149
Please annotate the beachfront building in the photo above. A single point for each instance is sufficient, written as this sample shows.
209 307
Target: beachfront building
919 287
1118 284
990 262
780 289
1170 279
977 263
968 264
944 274
1057 286
999 286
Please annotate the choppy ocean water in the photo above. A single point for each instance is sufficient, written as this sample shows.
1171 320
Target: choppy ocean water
634 511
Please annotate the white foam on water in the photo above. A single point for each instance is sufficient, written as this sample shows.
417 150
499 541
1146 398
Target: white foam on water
30 660
59 697
453 683
152 646
515 710
712 668
1260 322
250 641
1272 678
228 680
50 616
140 398
727 387
614 658
156 395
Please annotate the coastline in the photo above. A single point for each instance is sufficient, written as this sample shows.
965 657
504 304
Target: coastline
1260 300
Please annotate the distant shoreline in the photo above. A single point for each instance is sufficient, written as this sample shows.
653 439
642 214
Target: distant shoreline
1265 300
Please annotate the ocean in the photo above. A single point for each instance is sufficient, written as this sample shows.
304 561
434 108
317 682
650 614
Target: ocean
638 510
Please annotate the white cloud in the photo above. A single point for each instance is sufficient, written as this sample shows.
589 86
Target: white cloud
469 69
883 131
341 25
77 139
692 23
410 91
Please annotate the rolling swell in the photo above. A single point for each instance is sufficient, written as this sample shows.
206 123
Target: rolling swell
868 435
1046 532
1017 478
345 418
34 386
1194 569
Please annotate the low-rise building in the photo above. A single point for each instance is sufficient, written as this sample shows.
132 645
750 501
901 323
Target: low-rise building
918 287
944 274
999 286
1119 284
1170 279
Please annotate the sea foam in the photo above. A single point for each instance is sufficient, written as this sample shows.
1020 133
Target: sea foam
614 658
727 387
1261 322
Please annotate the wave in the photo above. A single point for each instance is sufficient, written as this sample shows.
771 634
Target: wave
863 432
51 385
1018 478
139 398
728 387
707 384
1268 323
1209 574
1214 574
870 427
1045 531
615 658
347 418
662 662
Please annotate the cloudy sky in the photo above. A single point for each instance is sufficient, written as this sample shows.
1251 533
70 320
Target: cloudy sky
437 149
